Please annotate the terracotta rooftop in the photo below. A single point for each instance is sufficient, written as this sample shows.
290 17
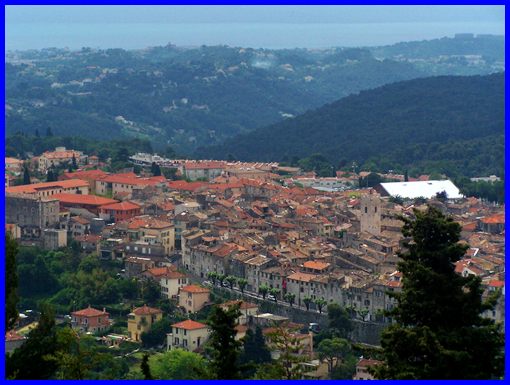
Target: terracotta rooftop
89 312
195 289
189 325
92 200
35 187
146 310
303 277
316 265
121 206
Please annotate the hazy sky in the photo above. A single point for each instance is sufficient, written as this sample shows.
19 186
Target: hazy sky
138 26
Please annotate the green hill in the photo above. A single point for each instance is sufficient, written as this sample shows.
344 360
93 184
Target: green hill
444 124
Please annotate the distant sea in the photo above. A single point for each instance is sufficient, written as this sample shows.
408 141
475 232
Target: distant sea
21 36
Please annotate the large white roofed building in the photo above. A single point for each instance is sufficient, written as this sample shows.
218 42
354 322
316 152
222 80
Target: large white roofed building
426 189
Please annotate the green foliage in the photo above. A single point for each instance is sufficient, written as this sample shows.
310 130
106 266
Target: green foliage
307 300
224 349
155 169
156 336
439 336
340 323
26 175
263 290
290 297
275 293
144 366
334 351
371 180
242 282
255 352
231 280
287 365
318 163
320 302
31 360
11 281
422 126
492 192
178 364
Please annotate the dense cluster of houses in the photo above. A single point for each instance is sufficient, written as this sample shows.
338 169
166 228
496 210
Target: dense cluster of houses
248 222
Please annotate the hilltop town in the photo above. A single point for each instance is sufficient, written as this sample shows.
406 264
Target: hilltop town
282 243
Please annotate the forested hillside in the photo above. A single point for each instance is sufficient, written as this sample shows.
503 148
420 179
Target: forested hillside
191 97
453 125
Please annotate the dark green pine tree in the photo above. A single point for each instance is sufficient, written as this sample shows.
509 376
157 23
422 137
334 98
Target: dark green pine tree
255 351
224 349
26 175
49 132
37 135
31 360
155 169
49 176
406 176
74 164
439 332
146 370
11 281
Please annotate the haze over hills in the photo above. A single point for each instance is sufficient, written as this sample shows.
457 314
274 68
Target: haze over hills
193 97
445 124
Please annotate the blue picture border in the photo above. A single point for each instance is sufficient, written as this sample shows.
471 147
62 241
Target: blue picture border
274 2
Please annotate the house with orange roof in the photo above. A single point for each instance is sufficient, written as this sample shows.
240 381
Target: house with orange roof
91 203
362 367
125 183
493 224
91 176
13 165
152 231
209 170
90 320
188 335
171 282
141 319
119 211
48 189
316 267
60 156
193 298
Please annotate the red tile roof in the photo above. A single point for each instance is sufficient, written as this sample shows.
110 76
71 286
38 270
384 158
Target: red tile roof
133 179
316 265
89 312
204 165
12 335
365 362
35 187
494 219
85 174
147 222
303 277
195 289
146 310
93 200
189 325
121 206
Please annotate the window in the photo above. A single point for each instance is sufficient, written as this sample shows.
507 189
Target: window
184 331
375 209
366 209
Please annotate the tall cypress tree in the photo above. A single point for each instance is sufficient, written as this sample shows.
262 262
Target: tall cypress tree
224 347
26 175
439 331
